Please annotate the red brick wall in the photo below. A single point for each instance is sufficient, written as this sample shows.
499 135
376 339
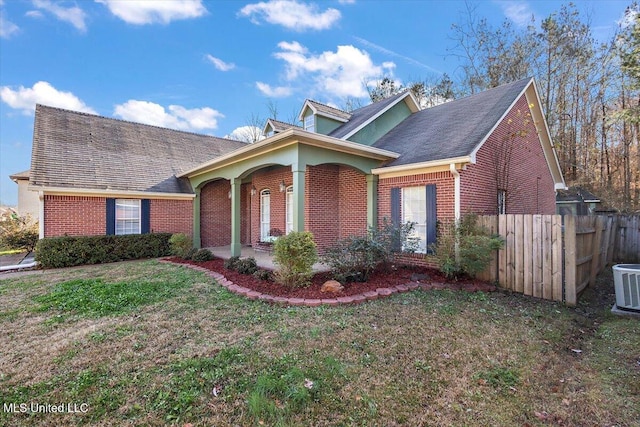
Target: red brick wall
86 216
322 207
74 216
270 179
171 216
527 179
215 214
352 203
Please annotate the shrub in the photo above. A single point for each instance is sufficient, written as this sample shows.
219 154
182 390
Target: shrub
18 232
353 259
261 274
464 247
231 263
190 254
181 245
295 254
67 251
246 266
202 255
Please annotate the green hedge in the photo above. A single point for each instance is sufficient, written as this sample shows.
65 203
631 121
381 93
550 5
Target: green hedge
67 251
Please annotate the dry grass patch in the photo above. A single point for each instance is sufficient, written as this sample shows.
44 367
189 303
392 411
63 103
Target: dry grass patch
204 356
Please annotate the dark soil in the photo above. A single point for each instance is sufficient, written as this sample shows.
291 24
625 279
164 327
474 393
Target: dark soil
379 279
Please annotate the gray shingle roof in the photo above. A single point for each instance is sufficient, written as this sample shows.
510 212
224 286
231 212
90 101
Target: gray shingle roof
20 175
361 115
324 109
450 130
84 151
279 126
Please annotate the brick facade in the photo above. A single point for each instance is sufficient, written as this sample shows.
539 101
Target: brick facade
527 180
270 179
215 214
74 216
86 216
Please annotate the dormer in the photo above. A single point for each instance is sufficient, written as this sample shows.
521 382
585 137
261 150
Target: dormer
321 118
274 126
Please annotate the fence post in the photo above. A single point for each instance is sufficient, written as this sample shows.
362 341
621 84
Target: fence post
570 296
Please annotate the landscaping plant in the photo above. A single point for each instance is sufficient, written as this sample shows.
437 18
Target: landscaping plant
202 255
295 254
181 245
353 259
464 247
18 232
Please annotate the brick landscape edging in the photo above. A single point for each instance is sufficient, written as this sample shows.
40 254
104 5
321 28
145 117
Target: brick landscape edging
351 299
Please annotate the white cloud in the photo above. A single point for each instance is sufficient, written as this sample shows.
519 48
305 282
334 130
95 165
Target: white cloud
34 14
291 14
140 12
73 15
174 117
340 73
518 11
246 134
219 63
273 92
347 1
25 98
7 28
389 52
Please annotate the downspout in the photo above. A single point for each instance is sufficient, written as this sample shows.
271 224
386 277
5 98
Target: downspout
41 215
456 190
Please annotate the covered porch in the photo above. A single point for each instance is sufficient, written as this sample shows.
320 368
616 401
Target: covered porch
263 259
295 154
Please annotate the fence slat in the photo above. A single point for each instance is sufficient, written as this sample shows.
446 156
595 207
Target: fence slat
556 244
502 254
528 254
570 295
537 256
547 273
519 253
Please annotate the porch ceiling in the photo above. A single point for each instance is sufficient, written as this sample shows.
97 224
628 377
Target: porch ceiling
293 147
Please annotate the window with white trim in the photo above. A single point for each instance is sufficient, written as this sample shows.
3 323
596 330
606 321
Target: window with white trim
265 214
502 202
127 216
310 123
289 210
414 209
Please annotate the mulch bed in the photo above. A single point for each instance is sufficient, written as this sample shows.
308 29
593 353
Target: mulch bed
379 279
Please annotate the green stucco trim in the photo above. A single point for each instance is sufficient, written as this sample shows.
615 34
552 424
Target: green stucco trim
236 245
372 201
196 219
381 125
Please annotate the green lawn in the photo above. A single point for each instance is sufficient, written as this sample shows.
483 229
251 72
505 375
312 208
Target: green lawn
144 343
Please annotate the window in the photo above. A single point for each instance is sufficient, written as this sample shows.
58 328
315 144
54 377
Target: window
127 216
289 213
502 202
265 214
310 123
414 209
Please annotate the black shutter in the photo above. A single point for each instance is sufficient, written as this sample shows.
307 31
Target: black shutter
395 206
432 216
111 216
145 213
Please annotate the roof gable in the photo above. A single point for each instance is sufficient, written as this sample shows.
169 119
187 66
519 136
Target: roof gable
362 117
277 126
451 130
324 111
76 150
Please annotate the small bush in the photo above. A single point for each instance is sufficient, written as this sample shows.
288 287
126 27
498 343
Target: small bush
67 251
181 245
295 254
18 232
464 248
353 259
246 266
263 275
231 263
202 255
190 254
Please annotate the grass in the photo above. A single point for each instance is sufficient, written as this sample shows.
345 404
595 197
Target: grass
144 343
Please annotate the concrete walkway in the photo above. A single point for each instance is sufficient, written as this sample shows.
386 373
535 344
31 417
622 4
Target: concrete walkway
17 261
263 259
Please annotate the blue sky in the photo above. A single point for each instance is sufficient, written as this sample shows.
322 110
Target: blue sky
215 66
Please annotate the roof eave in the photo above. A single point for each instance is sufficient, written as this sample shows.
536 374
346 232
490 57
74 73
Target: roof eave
291 136
462 160
68 191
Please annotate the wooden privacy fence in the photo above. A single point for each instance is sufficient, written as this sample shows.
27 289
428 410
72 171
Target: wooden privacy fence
554 257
